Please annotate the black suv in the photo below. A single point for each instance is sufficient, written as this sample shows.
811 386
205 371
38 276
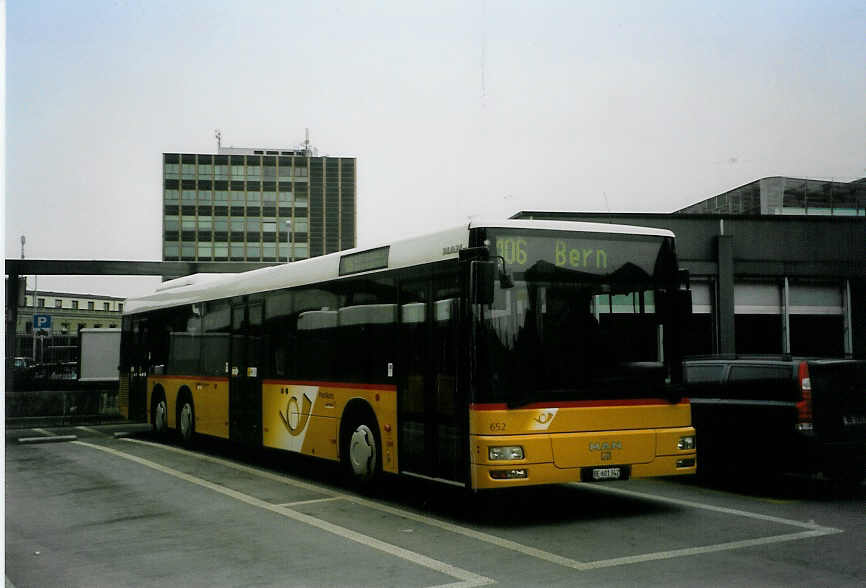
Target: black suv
779 414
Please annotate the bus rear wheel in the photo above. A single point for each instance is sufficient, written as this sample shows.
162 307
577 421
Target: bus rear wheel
186 421
160 414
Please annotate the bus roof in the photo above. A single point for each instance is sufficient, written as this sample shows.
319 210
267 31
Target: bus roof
439 246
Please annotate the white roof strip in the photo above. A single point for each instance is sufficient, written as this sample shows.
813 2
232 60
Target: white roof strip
433 247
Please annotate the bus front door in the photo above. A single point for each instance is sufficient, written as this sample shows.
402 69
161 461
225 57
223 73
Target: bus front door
430 409
245 389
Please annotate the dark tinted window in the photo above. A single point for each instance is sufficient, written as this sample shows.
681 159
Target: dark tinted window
698 374
762 382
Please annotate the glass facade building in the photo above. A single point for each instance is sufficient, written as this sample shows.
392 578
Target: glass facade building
787 196
257 205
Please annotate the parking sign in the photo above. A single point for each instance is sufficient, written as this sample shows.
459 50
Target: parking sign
42 322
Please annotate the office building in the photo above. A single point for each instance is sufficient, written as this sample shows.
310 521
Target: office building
257 205
787 196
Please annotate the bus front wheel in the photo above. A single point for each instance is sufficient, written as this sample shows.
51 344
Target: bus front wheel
361 453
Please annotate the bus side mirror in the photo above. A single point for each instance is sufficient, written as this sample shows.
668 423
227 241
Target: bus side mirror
483 280
682 305
675 305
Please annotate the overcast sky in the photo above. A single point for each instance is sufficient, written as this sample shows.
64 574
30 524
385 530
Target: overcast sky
453 109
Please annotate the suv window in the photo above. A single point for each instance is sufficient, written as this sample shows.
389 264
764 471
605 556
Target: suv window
741 373
762 382
700 374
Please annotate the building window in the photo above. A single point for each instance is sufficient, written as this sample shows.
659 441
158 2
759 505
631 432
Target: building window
42 302
97 326
74 305
171 195
58 303
301 251
64 328
112 326
106 306
120 307
90 305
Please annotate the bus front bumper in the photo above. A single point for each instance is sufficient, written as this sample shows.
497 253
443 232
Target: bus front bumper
513 475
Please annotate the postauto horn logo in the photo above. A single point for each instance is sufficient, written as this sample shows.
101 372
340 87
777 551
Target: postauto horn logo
296 417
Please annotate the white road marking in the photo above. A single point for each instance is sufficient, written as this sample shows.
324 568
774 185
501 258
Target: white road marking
43 432
619 561
90 430
467 579
313 501
814 530
720 509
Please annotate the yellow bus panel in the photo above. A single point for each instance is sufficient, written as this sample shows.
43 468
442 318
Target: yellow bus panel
305 417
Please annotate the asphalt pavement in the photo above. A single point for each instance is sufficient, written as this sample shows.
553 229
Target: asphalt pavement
115 507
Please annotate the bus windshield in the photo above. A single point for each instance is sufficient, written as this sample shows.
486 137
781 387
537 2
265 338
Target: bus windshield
574 319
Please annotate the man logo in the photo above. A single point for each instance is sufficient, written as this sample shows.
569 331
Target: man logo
296 418
605 446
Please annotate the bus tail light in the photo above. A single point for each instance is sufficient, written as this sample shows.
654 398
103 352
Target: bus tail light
804 406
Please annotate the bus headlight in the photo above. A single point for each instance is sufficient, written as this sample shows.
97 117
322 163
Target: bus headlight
686 442
507 452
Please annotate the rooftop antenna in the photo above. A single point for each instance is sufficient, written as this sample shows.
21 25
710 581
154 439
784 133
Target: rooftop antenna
607 205
307 140
219 137
483 53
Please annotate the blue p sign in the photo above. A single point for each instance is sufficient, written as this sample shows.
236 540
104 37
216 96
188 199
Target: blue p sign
42 322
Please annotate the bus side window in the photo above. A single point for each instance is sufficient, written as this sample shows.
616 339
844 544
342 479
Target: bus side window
279 333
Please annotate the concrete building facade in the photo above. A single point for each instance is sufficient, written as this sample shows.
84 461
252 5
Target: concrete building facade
260 205
765 284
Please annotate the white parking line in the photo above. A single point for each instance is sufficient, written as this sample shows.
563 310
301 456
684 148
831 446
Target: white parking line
90 430
43 432
814 530
313 501
720 509
467 579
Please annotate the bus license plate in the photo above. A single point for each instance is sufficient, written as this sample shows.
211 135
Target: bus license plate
606 473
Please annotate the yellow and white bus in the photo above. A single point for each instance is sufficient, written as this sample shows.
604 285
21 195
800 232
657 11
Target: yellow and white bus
490 355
